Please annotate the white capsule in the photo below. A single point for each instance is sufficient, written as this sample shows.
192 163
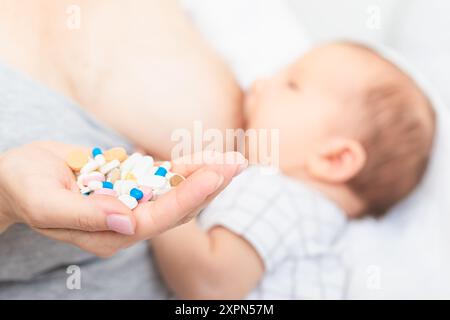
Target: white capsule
124 186
95 185
167 165
169 175
127 185
113 175
123 174
85 190
129 201
130 162
100 159
80 179
92 165
118 186
106 168
94 175
152 181
142 166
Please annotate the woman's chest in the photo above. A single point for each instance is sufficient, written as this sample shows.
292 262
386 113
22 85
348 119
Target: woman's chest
129 65
86 51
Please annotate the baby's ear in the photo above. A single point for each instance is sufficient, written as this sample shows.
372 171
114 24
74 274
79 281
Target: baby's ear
337 160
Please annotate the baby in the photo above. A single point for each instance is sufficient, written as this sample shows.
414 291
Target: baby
355 137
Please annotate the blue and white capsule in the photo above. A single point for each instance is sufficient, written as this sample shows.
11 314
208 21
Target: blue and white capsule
163 169
107 185
85 191
98 156
95 185
136 193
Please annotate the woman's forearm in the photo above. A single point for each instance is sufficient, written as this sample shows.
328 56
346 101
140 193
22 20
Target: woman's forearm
5 222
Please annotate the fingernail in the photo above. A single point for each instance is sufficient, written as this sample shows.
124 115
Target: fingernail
241 168
219 182
120 223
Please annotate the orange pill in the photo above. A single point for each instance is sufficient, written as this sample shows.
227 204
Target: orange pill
77 159
115 153
176 179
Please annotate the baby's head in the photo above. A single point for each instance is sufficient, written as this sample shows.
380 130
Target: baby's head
350 122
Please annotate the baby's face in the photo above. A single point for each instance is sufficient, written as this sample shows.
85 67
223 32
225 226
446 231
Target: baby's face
311 100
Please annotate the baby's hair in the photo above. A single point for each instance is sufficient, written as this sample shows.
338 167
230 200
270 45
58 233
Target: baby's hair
398 141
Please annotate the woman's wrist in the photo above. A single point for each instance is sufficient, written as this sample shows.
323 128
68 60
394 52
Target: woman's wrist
5 223
5 219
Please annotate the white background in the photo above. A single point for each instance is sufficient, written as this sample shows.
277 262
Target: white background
326 19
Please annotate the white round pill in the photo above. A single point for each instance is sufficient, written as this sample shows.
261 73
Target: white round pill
129 201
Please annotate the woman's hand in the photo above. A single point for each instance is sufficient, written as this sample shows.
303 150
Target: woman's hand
38 189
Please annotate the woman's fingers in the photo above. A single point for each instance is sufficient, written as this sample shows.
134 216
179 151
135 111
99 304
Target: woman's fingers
84 223
185 201
155 217
65 209
152 217
103 244
59 149
160 215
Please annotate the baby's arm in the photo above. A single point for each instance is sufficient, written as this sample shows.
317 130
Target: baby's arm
217 264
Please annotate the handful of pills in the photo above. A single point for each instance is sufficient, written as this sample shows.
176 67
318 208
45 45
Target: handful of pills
132 179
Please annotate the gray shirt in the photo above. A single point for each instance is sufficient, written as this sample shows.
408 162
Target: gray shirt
32 266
